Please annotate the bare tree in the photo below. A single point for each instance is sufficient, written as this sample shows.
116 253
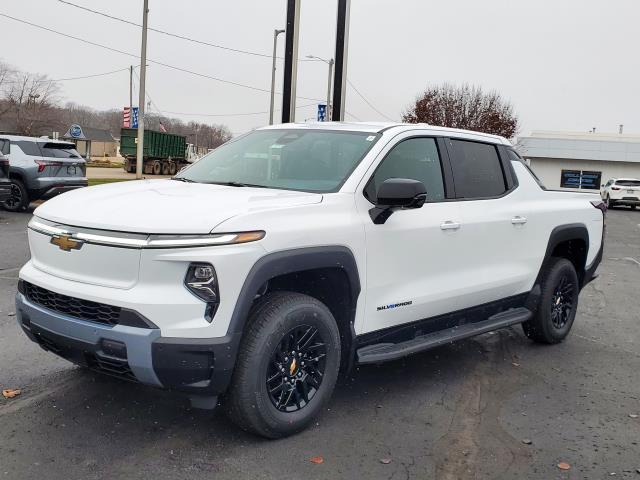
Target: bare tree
467 107
31 102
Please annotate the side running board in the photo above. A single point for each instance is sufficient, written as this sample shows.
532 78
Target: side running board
383 352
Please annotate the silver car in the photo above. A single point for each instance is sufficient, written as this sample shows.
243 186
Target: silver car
41 168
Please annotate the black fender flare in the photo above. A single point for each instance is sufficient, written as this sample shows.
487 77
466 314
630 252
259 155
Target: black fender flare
564 233
291 261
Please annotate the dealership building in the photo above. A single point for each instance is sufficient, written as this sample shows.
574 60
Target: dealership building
580 161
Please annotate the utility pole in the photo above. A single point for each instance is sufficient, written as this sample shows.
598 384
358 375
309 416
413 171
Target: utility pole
131 90
141 98
291 62
273 73
342 49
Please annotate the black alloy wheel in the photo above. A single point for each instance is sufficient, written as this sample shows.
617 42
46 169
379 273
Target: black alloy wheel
558 304
562 303
296 369
287 365
19 199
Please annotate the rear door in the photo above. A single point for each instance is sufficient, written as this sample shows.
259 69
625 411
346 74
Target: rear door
493 224
5 146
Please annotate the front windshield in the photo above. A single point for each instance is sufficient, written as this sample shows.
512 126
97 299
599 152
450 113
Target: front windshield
296 159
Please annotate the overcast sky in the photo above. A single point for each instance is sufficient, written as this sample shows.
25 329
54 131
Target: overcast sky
565 64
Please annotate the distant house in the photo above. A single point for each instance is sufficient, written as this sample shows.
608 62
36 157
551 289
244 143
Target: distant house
98 142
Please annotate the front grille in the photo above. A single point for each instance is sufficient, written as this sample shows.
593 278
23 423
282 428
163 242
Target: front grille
74 307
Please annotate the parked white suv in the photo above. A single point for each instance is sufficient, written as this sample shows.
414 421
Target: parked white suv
290 254
621 191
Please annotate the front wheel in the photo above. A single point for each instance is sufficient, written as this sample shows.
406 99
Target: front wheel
287 366
558 303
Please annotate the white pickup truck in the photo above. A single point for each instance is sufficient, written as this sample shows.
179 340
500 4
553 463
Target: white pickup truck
290 254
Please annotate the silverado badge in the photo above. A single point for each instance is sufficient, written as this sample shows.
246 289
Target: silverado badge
66 243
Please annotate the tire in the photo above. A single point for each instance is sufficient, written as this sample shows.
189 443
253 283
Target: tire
607 202
19 200
157 168
173 168
633 207
279 322
165 168
558 303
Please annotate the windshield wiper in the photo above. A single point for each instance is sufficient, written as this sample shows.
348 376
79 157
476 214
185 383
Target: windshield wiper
182 179
237 184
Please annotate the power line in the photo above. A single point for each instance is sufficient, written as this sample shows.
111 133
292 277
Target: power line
368 102
232 114
170 34
75 78
122 52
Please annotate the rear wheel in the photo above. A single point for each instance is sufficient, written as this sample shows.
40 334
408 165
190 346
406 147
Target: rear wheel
287 366
558 303
165 168
633 207
157 168
173 168
19 199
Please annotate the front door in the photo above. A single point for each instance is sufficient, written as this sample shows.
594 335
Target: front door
412 267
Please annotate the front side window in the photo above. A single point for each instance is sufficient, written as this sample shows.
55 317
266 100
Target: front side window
477 170
296 159
415 159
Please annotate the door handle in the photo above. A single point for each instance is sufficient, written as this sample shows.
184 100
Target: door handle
449 225
518 220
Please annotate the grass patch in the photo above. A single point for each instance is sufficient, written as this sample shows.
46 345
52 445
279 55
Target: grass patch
102 181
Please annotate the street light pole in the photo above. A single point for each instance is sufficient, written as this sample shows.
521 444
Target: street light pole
329 62
273 73
131 90
329 81
141 98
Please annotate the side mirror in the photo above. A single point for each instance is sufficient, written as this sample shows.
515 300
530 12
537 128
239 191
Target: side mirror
396 194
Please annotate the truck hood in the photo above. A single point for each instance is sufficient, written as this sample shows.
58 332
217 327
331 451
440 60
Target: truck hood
165 206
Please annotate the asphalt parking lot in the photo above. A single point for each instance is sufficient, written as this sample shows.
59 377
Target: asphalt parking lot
496 406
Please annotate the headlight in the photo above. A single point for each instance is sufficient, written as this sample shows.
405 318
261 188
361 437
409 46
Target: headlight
201 281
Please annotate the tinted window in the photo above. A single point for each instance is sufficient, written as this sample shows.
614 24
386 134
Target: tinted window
5 146
59 150
514 157
29 148
477 171
628 183
297 159
417 159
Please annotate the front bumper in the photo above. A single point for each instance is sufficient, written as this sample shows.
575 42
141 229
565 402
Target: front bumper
194 366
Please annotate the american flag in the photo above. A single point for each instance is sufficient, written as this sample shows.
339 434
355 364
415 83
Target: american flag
126 117
130 117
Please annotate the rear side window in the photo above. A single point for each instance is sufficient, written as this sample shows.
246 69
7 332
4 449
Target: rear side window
5 146
514 157
58 150
477 171
416 159
28 148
